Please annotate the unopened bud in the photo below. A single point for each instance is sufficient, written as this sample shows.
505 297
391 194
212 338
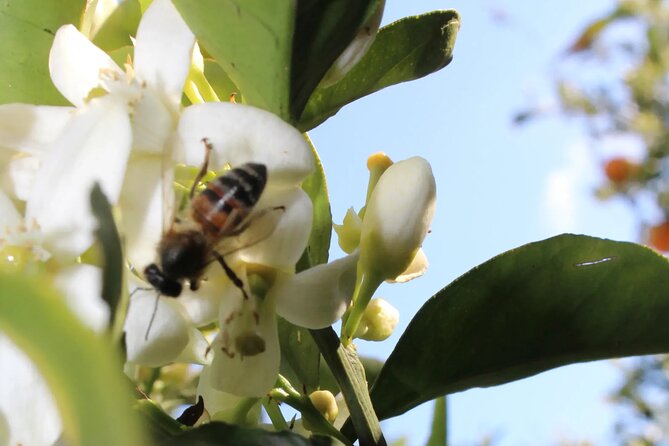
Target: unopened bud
378 321
324 401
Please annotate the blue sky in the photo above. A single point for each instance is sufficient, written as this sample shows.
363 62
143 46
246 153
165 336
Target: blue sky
498 186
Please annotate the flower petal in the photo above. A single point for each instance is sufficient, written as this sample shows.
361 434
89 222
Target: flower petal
203 305
163 51
10 218
285 244
82 287
416 268
141 202
221 405
168 336
25 400
319 296
21 174
93 147
75 64
240 134
248 375
30 128
196 350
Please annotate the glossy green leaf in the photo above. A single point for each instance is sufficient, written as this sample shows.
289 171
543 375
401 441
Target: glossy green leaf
115 32
408 49
564 300
80 367
323 29
252 40
222 434
27 28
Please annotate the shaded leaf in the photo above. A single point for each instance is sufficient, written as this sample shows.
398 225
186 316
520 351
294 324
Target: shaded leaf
252 41
560 301
301 353
27 28
408 49
221 82
93 400
222 434
323 29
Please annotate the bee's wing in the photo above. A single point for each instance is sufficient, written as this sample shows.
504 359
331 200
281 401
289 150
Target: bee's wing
257 227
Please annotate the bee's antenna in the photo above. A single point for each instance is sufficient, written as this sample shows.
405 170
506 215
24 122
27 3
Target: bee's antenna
153 316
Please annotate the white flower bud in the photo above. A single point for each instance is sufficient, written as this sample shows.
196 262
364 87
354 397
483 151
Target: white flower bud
378 321
324 402
397 218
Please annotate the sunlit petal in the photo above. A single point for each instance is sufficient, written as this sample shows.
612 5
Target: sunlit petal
203 305
141 203
152 124
9 216
241 134
163 51
21 175
283 247
25 400
75 64
248 375
416 268
93 147
319 296
30 128
81 286
168 335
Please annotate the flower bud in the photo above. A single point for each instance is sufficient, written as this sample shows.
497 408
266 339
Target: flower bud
397 218
324 402
378 321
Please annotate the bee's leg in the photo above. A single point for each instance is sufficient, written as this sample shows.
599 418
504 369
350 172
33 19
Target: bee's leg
231 274
208 147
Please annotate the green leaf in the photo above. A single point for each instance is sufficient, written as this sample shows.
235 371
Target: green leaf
27 28
221 82
321 229
408 49
222 434
439 433
252 41
115 32
301 353
323 30
112 260
560 301
81 369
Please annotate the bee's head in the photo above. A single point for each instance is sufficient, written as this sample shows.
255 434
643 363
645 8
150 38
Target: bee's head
157 279
183 255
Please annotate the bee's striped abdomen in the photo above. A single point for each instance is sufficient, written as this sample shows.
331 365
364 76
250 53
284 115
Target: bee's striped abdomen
228 199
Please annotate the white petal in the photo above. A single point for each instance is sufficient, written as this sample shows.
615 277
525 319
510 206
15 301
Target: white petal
75 64
93 147
196 350
215 401
163 51
319 296
82 288
254 375
21 175
284 247
416 268
203 305
10 218
30 128
240 134
168 335
141 202
25 400
397 218
152 124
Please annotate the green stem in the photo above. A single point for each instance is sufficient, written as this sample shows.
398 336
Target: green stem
365 288
274 413
350 376
439 434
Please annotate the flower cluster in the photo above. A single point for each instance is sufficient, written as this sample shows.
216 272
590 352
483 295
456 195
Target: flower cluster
127 131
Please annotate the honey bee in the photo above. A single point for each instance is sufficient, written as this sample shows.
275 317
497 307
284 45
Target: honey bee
220 210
